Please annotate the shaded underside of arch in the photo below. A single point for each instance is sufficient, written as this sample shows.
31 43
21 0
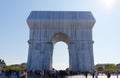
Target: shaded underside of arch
61 37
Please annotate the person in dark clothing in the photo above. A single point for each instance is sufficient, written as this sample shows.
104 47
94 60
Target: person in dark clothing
108 75
86 73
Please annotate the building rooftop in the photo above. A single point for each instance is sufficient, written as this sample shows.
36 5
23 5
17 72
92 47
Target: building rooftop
61 15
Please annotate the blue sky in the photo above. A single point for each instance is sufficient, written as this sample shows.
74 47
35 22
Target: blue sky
14 31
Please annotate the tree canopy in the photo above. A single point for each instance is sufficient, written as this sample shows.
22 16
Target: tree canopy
104 68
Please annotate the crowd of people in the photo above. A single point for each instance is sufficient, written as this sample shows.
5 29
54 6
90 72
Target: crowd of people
13 74
51 74
45 74
40 74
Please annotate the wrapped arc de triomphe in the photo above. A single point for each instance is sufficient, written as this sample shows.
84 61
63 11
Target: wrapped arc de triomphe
72 27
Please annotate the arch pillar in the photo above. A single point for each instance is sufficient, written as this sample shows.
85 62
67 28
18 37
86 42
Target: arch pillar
85 56
39 57
73 58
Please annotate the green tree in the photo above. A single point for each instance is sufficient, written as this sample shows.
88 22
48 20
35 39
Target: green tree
13 68
109 68
67 69
118 68
99 68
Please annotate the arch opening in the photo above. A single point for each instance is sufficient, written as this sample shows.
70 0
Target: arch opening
60 56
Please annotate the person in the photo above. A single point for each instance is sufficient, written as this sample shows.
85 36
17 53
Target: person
0 72
23 74
54 74
86 74
96 74
50 74
42 74
108 75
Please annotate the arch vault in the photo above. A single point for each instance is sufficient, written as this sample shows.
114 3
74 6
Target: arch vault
49 27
